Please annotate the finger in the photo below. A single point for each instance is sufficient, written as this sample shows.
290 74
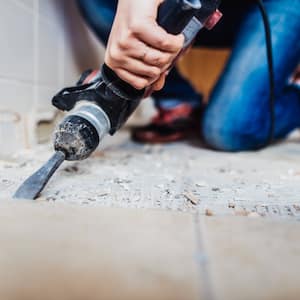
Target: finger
154 57
141 68
159 84
134 80
151 56
156 37
159 59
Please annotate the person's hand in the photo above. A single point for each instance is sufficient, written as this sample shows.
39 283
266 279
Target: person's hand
140 51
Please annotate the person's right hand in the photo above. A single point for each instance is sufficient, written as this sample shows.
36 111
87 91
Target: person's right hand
139 50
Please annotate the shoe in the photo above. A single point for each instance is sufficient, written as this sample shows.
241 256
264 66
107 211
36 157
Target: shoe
170 125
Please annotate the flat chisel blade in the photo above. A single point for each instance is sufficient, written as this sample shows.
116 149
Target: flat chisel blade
32 187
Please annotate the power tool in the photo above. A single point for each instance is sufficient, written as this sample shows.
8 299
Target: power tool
102 105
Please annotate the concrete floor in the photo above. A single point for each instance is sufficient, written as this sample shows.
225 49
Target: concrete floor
154 222
181 177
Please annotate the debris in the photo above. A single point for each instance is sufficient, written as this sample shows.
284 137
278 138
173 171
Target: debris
153 149
124 186
241 213
159 186
215 189
170 178
191 197
239 199
231 205
50 198
41 199
23 164
297 207
254 215
103 195
71 169
98 153
157 148
209 212
147 149
8 166
121 181
201 184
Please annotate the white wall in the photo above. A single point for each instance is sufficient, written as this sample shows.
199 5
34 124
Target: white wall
44 47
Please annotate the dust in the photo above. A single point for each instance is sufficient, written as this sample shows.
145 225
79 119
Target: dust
176 177
67 137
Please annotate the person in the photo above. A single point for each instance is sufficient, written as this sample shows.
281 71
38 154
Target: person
237 117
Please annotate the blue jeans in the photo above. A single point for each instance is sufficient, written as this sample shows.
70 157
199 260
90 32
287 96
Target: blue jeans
237 116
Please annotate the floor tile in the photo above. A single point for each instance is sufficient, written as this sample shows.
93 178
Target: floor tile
253 258
70 252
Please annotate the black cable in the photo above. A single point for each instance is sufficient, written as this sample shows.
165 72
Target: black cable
269 47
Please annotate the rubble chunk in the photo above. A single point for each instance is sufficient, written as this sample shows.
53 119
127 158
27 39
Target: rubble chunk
191 197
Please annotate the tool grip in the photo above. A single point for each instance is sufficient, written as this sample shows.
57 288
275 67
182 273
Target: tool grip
173 16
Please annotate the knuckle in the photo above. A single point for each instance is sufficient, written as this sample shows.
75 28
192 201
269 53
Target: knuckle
114 54
134 28
155 72
163 43
164 60
152 73
123 43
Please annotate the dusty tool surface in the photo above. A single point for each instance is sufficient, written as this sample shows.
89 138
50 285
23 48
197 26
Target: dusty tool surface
34 185
181 176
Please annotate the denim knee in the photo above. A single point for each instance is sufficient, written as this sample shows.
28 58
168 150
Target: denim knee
233 132
99 15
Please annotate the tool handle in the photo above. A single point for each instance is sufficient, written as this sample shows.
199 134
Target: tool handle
175 16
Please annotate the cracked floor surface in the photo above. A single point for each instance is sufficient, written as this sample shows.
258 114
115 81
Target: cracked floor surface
181 176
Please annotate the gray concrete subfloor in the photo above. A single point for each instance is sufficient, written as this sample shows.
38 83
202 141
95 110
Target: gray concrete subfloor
181 177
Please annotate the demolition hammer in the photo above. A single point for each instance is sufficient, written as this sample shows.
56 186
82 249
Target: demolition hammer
102 105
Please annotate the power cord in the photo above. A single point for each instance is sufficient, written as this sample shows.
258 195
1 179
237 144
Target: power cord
270 59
